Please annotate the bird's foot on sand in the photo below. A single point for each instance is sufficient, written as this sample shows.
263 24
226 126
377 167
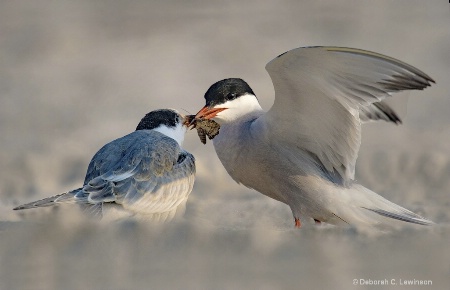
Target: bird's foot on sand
298 224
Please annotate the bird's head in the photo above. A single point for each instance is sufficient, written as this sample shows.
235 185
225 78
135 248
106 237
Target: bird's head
228 100
166 121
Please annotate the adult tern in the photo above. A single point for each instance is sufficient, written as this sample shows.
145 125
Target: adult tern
145 173
302 152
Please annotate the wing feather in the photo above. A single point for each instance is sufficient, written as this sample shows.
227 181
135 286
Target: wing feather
137 170
162 193
379 111
322 90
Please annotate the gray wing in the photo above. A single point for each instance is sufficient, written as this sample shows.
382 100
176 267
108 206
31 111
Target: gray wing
144 171
160 193
378 111
322 89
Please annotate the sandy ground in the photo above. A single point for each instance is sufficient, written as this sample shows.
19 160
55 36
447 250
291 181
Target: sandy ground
75 75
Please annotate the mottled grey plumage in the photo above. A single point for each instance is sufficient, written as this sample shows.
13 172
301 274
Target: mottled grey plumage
145 172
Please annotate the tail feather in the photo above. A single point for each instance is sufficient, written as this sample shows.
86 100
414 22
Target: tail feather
67 197
408 217
94 211
361 206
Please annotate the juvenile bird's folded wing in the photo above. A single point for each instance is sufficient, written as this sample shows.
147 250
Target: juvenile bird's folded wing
132 160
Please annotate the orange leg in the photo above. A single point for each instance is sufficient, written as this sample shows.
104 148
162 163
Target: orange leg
298 224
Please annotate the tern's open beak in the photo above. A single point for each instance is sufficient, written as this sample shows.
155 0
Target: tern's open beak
208 113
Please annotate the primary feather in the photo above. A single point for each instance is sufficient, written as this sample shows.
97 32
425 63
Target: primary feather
323 89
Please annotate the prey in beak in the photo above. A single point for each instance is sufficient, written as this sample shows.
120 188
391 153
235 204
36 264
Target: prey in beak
205 126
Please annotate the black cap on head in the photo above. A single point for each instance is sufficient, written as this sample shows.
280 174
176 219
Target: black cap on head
226 90
156 118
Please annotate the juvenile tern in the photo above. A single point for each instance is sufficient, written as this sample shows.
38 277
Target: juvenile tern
302 152
144 173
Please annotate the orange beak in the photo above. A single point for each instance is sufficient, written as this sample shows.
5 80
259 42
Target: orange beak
208 113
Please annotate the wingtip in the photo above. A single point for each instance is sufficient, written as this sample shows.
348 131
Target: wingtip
395 119
387 111
24 206
426 79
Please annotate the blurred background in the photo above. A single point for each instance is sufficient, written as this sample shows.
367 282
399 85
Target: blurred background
75 75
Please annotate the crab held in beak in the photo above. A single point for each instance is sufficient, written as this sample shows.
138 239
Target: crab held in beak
203 124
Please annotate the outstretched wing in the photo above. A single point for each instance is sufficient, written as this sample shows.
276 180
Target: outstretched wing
319 92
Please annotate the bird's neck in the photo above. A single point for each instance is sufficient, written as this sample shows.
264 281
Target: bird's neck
176 133
236 139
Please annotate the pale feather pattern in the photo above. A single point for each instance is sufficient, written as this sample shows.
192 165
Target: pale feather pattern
146 172
321 90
